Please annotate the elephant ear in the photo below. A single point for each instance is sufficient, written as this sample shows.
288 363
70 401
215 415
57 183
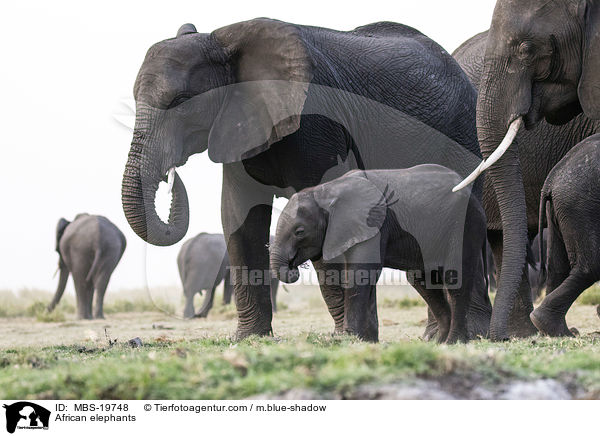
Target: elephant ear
272 70
60 229
356 209
186 29
589 83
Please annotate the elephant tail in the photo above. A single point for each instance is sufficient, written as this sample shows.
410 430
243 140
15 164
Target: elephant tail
544 199
95 265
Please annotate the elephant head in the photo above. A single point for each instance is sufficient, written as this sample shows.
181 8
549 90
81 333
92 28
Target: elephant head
234 92
326 221
542 61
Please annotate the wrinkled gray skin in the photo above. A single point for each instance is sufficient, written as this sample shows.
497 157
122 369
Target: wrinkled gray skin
537 281
203 264
539 61
89 248
570 205
201 91
404 219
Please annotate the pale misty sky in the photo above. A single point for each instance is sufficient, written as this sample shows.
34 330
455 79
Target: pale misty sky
65 69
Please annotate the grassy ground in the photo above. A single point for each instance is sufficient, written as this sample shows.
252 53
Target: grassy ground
42 357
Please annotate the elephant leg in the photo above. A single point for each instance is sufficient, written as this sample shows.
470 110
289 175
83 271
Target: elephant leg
274 286
431 328
460 298
100 285
207 303
559 267
519 323
479 312
84 291
549 317
332 291
227 288
360 303
439 308
188 311
246 215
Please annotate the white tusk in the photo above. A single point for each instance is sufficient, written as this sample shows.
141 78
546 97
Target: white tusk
55 272
513 129
171 179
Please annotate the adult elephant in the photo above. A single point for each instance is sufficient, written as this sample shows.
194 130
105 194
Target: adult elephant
203 264
539 69
89 248
284 107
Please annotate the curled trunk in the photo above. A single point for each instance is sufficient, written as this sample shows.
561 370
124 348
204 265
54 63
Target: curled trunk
281 268
143 173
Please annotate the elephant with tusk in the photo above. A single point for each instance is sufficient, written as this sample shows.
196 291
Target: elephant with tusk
536 71
282 108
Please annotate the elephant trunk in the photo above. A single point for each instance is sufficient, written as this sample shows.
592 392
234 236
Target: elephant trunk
281 266
493 121
62 283
140 182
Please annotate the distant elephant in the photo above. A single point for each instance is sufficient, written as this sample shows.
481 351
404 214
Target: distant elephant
406 219
537 281
492 276
570 204
284 107
539 68
203 264
89 248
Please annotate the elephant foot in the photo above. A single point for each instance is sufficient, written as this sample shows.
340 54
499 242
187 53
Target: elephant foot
365 336
519 323
550 324
242 334
456 337
99 316
202 314
431 329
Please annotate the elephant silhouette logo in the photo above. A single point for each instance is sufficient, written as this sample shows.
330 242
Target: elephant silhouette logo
26 415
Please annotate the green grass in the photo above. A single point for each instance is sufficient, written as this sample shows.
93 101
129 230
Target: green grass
402 303
33 302
590 296
220 369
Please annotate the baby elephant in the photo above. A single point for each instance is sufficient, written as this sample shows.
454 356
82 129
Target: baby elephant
570 203
406 219
203 263
89 247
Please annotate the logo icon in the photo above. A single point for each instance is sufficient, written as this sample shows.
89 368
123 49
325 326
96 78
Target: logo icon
26 415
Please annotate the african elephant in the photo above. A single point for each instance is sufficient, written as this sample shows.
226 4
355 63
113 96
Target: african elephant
570 204
89 248
538 68
203 263
284 107
405 219
537 281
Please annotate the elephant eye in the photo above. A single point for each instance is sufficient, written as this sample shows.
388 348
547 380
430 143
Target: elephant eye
179 98
299 232
526 50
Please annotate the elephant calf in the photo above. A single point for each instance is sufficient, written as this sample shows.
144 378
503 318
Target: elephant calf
406 219
203 263
89 248
570 203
